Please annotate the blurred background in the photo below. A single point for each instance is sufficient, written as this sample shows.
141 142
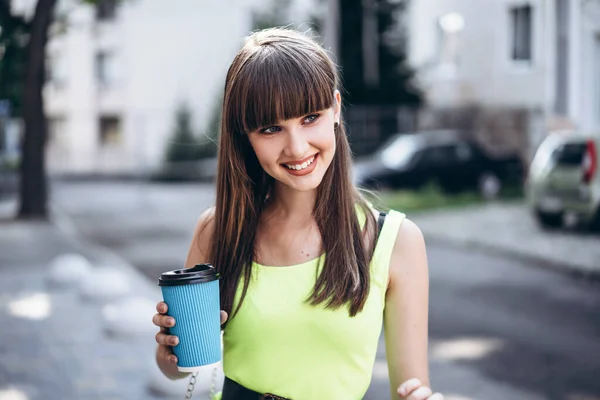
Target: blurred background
479 119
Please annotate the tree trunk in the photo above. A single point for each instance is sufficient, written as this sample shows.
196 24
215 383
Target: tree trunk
33 175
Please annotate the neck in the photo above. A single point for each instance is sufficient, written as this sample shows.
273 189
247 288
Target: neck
291 204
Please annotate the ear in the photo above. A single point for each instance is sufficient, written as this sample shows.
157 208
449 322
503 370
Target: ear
337 106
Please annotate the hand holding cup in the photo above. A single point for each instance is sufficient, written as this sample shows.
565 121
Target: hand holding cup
190 320
165 340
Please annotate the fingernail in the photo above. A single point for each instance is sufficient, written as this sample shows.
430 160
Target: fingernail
174 360
175 341
402 390
171 321
422 392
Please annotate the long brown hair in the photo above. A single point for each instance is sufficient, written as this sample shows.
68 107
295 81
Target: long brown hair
277 75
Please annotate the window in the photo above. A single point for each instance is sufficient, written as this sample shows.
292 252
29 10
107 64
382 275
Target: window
570 154
463 152
110 130
435 156
56 130
106 10
106 68
521 33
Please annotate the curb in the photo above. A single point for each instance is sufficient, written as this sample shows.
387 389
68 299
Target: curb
537 261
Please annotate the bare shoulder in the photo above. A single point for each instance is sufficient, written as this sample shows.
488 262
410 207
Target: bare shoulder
409 257
206 222
409 235
201 241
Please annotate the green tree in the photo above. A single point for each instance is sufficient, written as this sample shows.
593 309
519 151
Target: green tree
183 145
275 15
14 34
213 127
28 77
392 79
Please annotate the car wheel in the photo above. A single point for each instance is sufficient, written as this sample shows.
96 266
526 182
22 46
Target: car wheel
549 220
489 185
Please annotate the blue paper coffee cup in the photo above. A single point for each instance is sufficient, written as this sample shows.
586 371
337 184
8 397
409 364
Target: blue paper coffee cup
192 296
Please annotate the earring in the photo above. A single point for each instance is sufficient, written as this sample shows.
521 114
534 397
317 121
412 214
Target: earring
336 125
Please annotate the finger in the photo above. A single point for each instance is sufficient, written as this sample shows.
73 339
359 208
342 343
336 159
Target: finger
164 321
162 307
165 351
166 340
407 387
421 393
168 355
224 317
436 396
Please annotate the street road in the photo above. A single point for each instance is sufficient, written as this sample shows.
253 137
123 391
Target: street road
499 328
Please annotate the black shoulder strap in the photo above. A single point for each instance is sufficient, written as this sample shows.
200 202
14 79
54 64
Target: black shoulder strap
380 222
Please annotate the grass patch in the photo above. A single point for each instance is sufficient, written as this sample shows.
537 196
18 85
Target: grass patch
432 197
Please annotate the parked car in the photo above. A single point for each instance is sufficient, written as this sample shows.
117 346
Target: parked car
446 157
564 179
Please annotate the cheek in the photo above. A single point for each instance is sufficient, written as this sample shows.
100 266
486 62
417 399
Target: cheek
325 141
264 152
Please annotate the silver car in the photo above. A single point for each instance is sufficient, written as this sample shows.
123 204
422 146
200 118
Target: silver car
564 179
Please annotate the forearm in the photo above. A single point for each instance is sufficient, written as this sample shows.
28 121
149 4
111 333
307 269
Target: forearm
169 369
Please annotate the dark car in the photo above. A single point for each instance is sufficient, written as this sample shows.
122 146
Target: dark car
446 157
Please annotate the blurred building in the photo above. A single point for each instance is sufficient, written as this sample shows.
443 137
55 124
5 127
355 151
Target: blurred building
535 59
118 71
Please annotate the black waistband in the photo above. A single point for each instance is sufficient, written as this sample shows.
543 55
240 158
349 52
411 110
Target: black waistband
234 391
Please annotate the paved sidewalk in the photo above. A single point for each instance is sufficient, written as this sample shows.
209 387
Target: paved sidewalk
509 228
55 343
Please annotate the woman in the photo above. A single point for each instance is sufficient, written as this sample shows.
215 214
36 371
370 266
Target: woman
307 277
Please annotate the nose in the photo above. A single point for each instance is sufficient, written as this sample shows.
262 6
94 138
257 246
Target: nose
296 146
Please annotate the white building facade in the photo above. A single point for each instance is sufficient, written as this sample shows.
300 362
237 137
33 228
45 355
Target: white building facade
533 54
117 74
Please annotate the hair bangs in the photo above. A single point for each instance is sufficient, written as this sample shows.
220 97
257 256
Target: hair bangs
280 84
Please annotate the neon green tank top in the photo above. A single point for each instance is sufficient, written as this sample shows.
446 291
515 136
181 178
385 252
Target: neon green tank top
279 344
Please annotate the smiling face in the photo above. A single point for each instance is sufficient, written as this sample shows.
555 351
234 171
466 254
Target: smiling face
297 152
279 110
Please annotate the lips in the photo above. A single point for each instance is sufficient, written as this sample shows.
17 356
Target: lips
301 167
302 164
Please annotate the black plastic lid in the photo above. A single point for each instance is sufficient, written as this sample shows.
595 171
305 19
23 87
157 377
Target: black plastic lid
200 273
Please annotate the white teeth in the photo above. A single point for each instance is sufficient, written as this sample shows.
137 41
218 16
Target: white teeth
298 167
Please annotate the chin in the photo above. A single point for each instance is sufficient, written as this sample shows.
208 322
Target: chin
307 186
301 184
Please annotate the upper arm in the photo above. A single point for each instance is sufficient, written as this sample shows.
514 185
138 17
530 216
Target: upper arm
199 251
407 309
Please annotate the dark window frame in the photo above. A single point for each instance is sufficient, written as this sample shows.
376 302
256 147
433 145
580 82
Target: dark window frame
521 40
106 10
104 131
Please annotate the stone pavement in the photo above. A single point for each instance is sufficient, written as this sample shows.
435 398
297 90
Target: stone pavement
56 339
509 228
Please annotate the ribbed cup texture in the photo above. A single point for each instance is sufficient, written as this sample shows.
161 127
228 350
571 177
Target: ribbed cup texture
196 309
